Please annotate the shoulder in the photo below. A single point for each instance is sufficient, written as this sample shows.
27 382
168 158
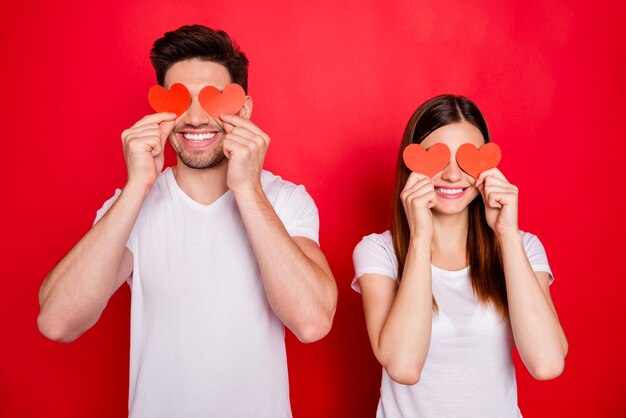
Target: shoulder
531 241
280 191
382 242
536 253
164 181
293 205
375 254
272 183
107 205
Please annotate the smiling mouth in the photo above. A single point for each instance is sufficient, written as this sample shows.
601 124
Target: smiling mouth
450 193
198 137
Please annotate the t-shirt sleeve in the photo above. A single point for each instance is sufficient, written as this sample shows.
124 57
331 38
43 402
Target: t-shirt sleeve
373 257
299 214
536 254
106 206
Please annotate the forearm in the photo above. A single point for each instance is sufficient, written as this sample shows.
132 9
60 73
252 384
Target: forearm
301 293
405 336
538 334
76 291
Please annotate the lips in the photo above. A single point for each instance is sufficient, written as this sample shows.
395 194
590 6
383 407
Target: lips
450 192
198 139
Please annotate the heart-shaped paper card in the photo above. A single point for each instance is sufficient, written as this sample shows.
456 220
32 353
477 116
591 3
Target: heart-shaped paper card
176 100
474 161
428 162
215 102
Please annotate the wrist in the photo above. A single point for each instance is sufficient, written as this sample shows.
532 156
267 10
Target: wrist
136 189
248 192
420 239
509 235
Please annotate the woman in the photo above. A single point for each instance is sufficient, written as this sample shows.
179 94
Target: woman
455 283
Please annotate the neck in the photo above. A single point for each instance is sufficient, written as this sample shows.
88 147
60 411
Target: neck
204 186
449 241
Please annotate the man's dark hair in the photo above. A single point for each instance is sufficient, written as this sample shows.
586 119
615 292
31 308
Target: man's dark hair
197 41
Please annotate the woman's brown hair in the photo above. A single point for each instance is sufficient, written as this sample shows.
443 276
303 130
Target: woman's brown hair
484 256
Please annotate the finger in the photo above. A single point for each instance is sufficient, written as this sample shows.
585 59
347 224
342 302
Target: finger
239 139
495 172
148 139
166 130
242 132
499 189
410 189
228 128
149 143
497 181
243 122
414 178
234 147
423 200
498 200
426 192
130 132
155 118
145 134
420 189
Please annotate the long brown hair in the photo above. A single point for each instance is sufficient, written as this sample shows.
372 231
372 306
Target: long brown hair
483 253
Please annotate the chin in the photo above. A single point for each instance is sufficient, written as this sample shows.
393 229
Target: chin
447 207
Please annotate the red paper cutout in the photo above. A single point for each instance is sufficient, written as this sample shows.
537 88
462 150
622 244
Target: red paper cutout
474 161
428 162
176 100
230 100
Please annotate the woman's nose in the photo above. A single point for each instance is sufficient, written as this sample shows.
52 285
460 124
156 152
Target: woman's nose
452 172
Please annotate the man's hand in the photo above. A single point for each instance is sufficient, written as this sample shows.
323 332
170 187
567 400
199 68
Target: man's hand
143 148
245 145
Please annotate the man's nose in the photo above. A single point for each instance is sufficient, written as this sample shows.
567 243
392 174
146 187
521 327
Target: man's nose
195 114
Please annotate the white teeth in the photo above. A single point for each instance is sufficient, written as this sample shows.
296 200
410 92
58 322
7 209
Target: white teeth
198 137
449 191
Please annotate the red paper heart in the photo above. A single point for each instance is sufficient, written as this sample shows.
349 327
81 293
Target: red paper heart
176 100
474 161
230 100
428 162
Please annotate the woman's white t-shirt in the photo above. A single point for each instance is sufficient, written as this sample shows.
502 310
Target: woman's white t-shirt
469 370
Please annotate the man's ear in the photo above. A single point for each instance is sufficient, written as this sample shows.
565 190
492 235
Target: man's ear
246 110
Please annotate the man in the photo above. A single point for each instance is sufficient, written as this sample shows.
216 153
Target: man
219 253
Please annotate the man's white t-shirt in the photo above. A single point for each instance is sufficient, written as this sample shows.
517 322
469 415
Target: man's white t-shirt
204 340
468 371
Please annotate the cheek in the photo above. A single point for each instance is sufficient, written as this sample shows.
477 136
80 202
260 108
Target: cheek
472 194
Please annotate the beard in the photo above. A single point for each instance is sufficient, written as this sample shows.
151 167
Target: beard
198 159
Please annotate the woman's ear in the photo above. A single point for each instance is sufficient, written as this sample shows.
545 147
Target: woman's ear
246 110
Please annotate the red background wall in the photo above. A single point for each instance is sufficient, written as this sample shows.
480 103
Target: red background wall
334 85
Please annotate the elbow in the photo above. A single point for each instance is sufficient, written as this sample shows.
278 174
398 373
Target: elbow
54 330
403 375
548 370
313 331
403 371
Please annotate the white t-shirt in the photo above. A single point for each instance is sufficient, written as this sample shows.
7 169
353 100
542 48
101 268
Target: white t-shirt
204 340
469 371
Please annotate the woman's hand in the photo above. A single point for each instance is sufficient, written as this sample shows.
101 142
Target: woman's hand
501 199
418 197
